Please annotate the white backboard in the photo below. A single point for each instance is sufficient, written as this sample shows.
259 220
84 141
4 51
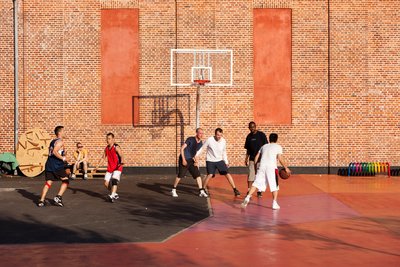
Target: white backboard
188 65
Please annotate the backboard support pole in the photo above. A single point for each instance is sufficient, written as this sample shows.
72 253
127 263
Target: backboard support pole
198 106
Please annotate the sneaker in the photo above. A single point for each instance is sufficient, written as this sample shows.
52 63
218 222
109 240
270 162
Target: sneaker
85 176
110 198
259 194
58 201
73 176
116 196
173 192
41 203
275 205
236 192
245 202
203 193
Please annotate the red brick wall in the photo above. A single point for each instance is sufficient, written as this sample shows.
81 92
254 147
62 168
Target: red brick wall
60 80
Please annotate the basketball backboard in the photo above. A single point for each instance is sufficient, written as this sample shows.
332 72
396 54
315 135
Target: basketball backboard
188 65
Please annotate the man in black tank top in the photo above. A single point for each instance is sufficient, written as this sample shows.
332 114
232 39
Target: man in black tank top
55 168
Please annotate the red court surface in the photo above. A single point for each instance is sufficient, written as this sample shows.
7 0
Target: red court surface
324 221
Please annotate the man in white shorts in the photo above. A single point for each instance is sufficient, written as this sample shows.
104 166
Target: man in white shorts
115 161
217 159
267 174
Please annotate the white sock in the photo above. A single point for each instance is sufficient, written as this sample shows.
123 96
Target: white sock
248 197
113 194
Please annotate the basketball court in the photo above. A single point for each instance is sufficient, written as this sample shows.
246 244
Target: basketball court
324 220
130 81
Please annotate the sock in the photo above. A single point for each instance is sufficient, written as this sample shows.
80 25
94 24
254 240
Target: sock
113 194
248 197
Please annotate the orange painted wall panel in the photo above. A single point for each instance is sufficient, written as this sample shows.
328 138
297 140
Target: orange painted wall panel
272 65
119 65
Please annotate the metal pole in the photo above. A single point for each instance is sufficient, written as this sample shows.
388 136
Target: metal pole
15 7
198 107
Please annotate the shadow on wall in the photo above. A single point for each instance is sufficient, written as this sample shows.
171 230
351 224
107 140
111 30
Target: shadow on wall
157 112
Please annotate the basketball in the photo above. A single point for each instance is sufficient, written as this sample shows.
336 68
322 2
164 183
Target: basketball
67 169
283 174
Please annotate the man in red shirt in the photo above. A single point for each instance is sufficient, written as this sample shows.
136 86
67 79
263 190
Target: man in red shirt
115 161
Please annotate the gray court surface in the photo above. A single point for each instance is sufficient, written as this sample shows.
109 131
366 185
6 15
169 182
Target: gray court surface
145 211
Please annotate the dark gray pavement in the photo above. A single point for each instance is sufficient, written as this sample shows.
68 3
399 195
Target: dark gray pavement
145 211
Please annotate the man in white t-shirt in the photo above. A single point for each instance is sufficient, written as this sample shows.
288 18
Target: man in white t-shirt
267 173
217 159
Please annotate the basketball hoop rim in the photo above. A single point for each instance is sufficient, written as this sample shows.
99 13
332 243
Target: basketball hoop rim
201 82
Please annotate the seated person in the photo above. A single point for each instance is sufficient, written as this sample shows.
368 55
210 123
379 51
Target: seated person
81 161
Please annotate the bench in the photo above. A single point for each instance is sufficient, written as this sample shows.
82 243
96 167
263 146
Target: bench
92 172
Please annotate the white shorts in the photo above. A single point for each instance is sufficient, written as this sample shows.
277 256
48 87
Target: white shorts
114 174
266 177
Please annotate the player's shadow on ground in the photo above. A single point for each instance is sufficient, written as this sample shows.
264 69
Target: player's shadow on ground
87 192
30 230
31 196
165 189
148 211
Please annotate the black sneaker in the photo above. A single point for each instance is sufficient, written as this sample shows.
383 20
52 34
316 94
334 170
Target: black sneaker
58 201
236 192
259 194
40 204
110 198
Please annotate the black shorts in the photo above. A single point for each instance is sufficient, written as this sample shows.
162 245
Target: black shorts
213 166
193 170
55 176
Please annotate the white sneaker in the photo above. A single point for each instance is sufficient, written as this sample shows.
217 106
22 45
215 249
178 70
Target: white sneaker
275 205
73 176
116 196
203 193
85 176
245 202
173 192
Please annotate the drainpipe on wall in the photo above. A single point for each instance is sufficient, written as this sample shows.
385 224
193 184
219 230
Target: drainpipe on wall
15 12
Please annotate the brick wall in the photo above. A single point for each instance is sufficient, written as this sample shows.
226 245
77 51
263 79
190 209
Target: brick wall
60 78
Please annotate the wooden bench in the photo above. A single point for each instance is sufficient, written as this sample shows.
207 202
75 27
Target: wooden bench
92 172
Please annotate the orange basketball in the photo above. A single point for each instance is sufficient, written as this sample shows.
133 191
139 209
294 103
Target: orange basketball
283 174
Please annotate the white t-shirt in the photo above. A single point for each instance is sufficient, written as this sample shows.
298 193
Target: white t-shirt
216 151
269 154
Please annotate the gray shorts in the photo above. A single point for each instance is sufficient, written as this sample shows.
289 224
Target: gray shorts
252 171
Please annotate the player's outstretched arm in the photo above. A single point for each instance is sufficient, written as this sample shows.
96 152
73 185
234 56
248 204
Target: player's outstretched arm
283 163
58 146
225 156
120 154
203 148
101 161
183 154
257 157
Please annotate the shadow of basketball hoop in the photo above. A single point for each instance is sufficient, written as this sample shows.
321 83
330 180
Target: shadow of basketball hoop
160 111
